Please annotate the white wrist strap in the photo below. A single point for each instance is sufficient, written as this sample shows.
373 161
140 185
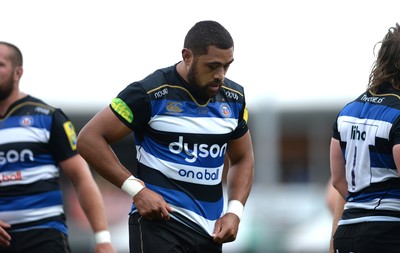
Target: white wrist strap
236 207
102 236
132 186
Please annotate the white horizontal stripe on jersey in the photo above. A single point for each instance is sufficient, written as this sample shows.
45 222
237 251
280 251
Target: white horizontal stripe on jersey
196 125
376 204
381 174
382 130
368 219
207 225
173 170
24 134
30 175
28 215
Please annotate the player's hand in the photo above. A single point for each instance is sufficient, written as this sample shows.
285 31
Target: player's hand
226 228
104 248
5 238
151 205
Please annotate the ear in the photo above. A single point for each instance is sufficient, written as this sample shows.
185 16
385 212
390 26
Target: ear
187 56
18 72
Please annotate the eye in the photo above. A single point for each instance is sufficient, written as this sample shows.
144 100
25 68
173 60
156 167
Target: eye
213 66
226 67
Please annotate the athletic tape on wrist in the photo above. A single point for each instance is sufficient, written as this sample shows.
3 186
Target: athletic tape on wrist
102 237
236 207
132 186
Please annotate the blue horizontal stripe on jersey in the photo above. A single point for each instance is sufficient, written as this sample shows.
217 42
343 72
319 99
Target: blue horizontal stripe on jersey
46 199
369 196
191 109
162 152
60 226
38 121
382 160
371 111
57 225
39 160
208 210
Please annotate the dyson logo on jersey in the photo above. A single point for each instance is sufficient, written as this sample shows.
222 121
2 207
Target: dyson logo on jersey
11 177
198 150
13 156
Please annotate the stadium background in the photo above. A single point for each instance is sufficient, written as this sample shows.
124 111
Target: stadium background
300 61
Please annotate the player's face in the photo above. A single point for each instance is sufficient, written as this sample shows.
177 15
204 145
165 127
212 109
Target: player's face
207 72
6 73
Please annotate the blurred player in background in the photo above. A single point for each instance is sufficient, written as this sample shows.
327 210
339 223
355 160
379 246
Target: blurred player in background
365 159
36 140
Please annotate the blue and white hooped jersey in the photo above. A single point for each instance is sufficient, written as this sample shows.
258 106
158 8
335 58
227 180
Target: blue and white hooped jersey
180 143
367 129
33 138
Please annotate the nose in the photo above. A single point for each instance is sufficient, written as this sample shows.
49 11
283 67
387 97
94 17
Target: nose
219 74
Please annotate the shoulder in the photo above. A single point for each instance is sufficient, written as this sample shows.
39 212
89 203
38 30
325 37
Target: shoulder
232 91
232 86
32 106
159 77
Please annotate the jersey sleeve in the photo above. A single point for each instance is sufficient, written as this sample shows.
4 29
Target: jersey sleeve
132 106
335 131
396 132
62 142
242 127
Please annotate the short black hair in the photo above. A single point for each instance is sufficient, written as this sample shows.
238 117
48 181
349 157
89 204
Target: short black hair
207 33
16 58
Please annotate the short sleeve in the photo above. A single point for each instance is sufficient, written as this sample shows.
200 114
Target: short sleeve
132 106
242 127
62 142
335 131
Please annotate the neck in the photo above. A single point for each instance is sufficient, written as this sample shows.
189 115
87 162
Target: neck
5 104
181 68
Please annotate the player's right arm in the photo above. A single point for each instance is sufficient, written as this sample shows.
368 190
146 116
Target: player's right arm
93 145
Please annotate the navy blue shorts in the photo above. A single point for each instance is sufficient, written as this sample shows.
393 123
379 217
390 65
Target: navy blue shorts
159 236
368 237
37 241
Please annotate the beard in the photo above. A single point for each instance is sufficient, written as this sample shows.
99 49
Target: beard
6 88
199 91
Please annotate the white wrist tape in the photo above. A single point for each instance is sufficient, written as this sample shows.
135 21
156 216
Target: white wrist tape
132 186
102 236
236 207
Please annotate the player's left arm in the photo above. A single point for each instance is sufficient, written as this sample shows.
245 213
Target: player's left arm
338 169
89 197
239 183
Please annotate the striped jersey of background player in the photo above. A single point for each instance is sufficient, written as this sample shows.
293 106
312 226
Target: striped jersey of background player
36 141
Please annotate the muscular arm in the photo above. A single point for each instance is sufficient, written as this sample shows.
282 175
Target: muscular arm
241 170
338 175
239 182
77 170
338 169
94 145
